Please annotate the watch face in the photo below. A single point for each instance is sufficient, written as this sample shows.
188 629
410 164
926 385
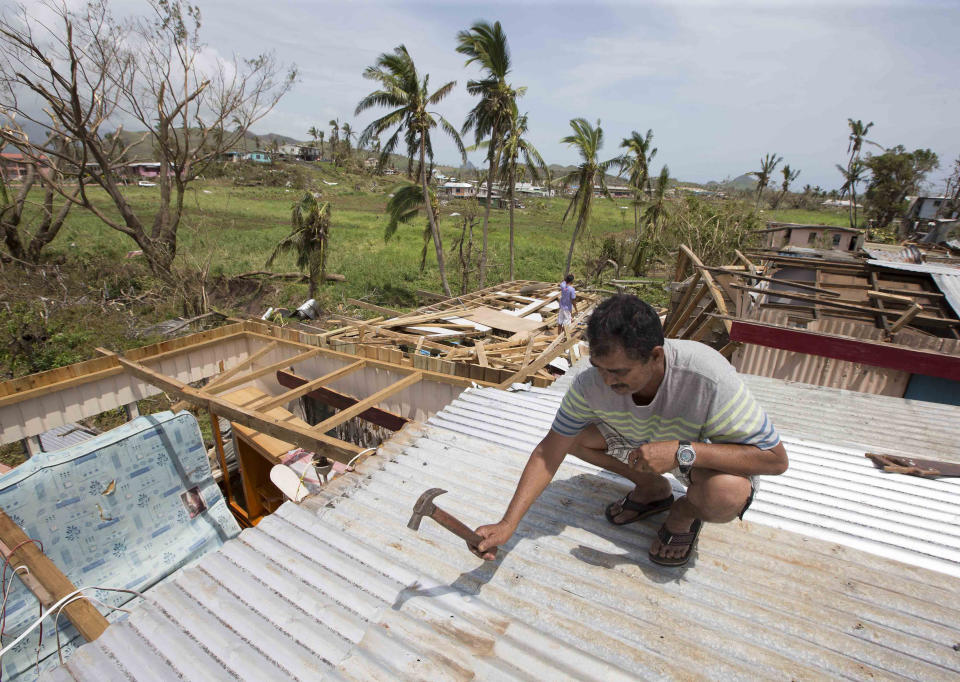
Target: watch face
686 456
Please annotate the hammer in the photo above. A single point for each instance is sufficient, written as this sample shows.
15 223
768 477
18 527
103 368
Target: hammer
425 507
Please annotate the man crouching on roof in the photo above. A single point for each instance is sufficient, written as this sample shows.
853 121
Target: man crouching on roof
646 407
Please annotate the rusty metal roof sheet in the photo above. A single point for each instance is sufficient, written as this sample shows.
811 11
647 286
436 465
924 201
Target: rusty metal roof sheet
339 586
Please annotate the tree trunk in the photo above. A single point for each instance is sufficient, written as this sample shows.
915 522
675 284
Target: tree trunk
434 229
512 177
486 215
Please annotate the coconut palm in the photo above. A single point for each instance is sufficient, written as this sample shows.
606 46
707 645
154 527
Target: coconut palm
516 148
654 215
347 130
587 140
310 219
768 164
405 204
637 160
852 176
788 177
408 98
320 136
490 119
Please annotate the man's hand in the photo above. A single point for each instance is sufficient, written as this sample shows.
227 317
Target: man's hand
494 535
657 458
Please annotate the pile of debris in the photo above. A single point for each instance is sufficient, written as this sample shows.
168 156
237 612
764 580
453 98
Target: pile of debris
826 317
502 334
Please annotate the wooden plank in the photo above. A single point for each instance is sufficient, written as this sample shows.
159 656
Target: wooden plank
221 456
223 376
269 369
306 438
528 352
784 282
189 348
41 391
285 398
355 410
541 362
328 396
676 319
481 354
905 319
691 331
874 353
373 307
500 320
55 585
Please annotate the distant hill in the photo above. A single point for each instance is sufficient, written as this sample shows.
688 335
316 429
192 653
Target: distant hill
745 181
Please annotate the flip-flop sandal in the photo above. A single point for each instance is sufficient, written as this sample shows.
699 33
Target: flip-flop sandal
668 539
642 509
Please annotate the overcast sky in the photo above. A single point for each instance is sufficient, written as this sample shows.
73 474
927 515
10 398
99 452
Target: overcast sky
720 83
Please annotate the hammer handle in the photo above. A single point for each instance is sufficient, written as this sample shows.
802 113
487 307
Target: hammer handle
456 527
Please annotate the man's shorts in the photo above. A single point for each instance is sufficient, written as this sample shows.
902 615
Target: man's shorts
620 448
565 317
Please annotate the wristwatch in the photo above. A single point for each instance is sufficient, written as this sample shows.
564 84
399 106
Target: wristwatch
686 456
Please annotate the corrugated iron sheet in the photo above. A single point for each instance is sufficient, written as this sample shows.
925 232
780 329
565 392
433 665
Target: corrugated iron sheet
340 587
947 278
64 436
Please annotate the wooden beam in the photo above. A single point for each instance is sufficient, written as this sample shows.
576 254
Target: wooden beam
715 291
306 438
874 353
905 319
190 347
560 346
53 584
39 391
371 306
285 398
269 369
362 405
674 317
328 396
481 354
223 376
784 282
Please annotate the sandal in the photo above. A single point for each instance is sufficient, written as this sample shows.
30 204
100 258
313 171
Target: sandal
668 539
642 509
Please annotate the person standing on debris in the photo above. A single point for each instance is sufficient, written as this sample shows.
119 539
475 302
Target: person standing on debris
568 303
649 406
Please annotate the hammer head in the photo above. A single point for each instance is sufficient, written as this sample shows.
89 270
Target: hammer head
424 507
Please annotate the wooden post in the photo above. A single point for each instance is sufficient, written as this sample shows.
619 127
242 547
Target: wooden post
221 455
21 551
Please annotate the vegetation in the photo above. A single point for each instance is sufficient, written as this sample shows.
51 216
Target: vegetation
310 219
636 161
768 164
895 174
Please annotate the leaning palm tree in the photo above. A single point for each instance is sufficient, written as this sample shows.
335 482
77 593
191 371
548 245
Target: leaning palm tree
591 172
515 148
310 219
406 202
408 98
637 160
486 45
768 164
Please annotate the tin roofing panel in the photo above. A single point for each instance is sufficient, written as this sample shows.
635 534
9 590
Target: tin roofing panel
339 586
947 278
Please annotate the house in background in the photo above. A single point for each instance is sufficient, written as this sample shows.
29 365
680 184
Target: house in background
231 156
258 156
458 190
13 166
929 219
140 170
829 237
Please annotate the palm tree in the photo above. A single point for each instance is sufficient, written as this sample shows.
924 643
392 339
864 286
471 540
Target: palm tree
853 174
486 45
515 147
347 131
654 216
858 135
788 177
320 135
637 160
768 164
402 91
587 140
310 219
404 205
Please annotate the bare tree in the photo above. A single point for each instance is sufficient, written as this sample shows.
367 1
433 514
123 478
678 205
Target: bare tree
87 72
27 229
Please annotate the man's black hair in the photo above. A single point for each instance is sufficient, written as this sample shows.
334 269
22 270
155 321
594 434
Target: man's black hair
627 322
568 279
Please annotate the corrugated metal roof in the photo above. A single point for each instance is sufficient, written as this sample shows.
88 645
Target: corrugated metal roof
947 278
60 437
338 586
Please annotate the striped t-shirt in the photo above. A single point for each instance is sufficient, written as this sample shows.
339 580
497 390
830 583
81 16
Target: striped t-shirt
701 399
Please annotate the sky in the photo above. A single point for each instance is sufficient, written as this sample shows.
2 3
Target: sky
719 83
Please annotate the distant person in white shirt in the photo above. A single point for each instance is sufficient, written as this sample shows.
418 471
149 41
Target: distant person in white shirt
568 302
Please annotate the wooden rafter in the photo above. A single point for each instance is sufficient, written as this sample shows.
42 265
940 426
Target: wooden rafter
381 395
223 376
269 369
295 393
